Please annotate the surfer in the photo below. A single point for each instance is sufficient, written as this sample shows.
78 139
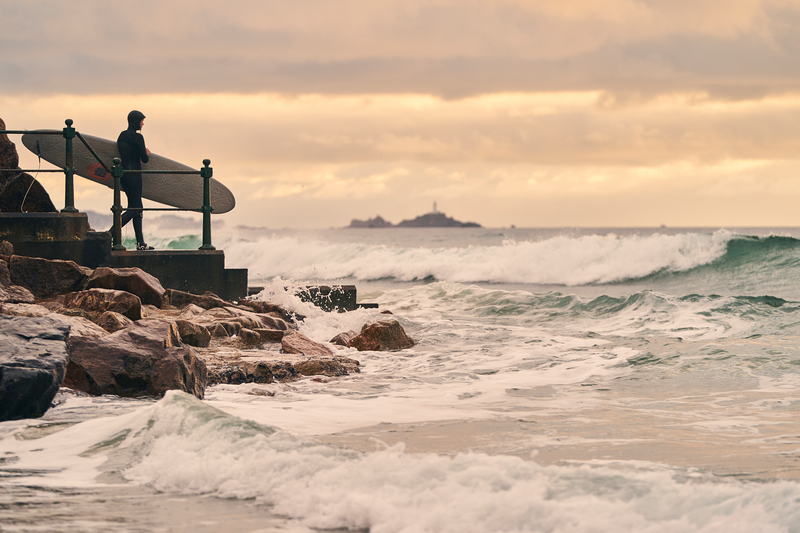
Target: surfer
133 153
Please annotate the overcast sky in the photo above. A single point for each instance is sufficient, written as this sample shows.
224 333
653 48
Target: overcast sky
533 113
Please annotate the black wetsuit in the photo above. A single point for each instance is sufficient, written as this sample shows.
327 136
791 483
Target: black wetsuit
133 153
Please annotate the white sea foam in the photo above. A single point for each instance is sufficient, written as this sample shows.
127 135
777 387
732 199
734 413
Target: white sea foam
182 445
557 260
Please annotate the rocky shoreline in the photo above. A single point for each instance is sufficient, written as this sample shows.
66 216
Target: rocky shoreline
118 331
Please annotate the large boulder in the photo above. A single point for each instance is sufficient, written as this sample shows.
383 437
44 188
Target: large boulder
33 359
383 336
46 277
133 280
98 301
19 187
298 343
193 334
22 193
146 359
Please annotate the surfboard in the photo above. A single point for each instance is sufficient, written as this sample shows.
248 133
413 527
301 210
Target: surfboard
177 190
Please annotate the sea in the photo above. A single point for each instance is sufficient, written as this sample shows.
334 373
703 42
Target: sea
563 380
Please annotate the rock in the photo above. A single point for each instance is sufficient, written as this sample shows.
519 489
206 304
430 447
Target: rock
193 334
78 326
263 320
9 158
100 300
133 280
270 308
5 275
16 294
252 372
190 311
6 248
144 359
45 277
343 338
331 367
386 335
33 359
25 309
21 188
270 335
182 299
218 331
298 343
249 337
111 321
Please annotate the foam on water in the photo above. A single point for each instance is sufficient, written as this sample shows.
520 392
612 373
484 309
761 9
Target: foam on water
558 260
184 445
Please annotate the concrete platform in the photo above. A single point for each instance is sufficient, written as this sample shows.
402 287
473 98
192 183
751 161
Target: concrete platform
66 236
195 271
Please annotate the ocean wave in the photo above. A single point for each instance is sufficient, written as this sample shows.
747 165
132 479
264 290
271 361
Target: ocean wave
561 260
187 446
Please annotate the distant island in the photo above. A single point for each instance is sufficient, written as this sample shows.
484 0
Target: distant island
435 219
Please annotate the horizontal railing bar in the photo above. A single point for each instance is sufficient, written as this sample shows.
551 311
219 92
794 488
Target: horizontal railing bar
196 210
32 170
39 132
161 172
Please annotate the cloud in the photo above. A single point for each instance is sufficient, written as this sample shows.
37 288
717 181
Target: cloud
446 48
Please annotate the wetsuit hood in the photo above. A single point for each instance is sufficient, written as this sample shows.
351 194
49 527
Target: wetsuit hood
134 119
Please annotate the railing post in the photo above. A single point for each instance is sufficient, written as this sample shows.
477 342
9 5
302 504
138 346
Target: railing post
206 173
116 209
69 171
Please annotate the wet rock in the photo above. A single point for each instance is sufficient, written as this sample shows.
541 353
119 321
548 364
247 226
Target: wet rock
325 366
133 280
112 321
386 335
33 359
270 335
253 320
45 277
298 343
6 248
249 337
343 338
100 300
182 299
144 359
193 334
271 308
252 372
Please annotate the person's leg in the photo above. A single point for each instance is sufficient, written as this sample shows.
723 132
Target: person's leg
132 185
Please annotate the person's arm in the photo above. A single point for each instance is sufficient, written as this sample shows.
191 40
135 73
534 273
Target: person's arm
144 153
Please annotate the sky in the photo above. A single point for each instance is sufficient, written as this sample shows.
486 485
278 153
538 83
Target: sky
588 113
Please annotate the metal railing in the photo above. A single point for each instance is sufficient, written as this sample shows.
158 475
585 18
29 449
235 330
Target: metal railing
69 133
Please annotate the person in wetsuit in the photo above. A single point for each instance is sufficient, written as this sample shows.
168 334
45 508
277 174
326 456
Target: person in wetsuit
133 153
